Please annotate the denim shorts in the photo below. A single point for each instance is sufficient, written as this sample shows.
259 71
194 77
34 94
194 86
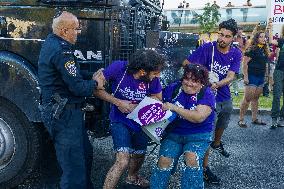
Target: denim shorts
255 81
174 145
126 140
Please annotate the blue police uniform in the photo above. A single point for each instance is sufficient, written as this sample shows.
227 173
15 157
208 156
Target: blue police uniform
60 73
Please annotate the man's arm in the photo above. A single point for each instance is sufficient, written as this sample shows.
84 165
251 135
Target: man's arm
123 105
157 96
199 55
269 29
277 53
230 77
70 72
104 95
185 62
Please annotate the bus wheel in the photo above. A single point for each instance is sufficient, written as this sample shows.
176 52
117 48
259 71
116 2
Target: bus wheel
19 146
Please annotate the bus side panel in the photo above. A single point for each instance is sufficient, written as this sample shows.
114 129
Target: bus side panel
19 85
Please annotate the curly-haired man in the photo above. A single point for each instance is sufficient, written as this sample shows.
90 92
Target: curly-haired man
131 82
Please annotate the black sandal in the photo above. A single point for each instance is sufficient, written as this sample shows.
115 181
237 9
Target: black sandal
258 122
242 124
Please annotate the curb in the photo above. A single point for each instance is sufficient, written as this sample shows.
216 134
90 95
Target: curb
260 111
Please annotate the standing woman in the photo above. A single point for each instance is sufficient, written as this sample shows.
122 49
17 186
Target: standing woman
190 132
254 70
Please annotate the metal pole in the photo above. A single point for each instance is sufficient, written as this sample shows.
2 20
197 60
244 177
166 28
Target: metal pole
180 20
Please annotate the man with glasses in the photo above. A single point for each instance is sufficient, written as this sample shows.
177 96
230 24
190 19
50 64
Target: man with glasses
224 60
63 88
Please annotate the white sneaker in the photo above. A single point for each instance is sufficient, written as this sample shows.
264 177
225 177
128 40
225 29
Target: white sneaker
280 122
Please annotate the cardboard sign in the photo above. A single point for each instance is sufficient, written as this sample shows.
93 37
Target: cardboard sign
277 11
149 111
152 118
155 130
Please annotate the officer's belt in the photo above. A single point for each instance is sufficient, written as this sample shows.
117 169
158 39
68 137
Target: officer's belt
74 106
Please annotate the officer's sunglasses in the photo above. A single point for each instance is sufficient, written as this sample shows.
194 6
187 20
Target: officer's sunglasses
57 14
76 29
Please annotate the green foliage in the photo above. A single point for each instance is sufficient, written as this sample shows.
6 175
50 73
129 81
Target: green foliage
209 18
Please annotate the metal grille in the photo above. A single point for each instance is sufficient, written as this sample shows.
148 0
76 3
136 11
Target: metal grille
121 33
128 30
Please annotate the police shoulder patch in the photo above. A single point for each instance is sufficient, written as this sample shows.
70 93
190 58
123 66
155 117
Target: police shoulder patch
70 66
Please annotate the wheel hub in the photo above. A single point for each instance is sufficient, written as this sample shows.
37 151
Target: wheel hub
7 144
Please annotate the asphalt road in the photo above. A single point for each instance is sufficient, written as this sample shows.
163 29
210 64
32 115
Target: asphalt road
256 161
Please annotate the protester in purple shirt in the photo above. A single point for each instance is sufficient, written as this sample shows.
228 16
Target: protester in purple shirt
223 63
131 82
223 59
190 132
129 89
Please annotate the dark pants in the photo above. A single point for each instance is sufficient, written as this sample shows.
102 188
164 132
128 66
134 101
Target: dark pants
73 149
278 77
223 114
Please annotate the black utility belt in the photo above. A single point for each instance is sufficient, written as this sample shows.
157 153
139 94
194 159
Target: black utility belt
74 106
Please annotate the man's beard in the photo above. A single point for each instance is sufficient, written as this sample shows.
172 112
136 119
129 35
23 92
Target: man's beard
222 44
145 78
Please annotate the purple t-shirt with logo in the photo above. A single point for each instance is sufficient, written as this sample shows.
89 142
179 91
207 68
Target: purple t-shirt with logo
129 89
222 64
190 102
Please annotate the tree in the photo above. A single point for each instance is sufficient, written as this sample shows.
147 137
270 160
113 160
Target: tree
209 18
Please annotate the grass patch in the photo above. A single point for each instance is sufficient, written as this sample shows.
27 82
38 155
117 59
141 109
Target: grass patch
264 102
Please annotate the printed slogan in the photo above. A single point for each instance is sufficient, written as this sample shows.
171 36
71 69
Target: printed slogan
277 11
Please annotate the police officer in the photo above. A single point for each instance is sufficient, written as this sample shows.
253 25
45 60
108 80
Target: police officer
63 89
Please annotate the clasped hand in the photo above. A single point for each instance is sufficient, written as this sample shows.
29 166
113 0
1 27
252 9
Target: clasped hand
98 76
126 106
168 106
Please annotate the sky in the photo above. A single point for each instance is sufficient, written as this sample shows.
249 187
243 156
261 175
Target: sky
169 4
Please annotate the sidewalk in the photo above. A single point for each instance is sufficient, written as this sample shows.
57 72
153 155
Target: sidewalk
263 111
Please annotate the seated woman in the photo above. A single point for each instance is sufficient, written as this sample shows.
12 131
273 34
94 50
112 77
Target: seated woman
190 132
